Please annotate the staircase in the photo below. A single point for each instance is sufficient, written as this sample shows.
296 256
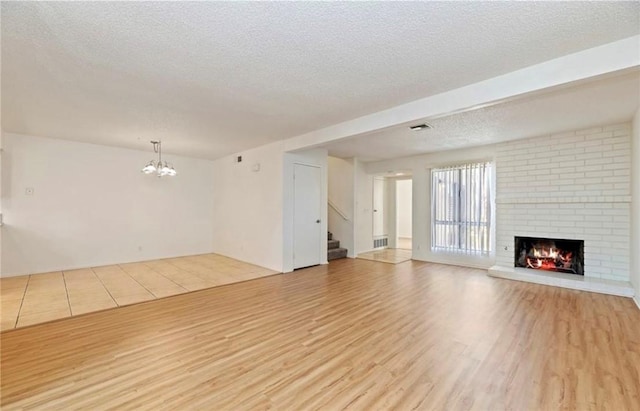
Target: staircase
334 251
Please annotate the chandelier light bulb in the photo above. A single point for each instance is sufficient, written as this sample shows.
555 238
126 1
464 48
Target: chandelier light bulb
164 170
149 168
158 167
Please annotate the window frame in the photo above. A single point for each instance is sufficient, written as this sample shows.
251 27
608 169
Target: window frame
458 213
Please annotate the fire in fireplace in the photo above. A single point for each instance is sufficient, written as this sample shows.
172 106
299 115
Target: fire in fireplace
551 254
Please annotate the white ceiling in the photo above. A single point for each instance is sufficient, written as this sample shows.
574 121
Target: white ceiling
213 78
603 101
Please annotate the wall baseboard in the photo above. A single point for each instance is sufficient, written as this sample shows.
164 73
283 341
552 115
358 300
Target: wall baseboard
482 263
105 263
368 251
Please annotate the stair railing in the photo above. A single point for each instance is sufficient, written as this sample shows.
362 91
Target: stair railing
340 212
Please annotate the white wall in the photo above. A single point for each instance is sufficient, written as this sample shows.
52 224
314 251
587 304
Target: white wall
341 194
404 207
391 213
92 206
253 211
248 207
363 216
1 196
635 206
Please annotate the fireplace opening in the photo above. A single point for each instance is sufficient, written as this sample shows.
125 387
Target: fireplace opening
550 254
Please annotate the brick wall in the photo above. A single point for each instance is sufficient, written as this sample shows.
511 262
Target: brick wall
573 185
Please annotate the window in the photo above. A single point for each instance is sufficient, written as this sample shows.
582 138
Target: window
461 209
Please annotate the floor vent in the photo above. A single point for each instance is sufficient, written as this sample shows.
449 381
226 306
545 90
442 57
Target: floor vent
380 242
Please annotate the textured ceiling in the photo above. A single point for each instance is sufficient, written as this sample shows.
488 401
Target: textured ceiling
213 78
604 101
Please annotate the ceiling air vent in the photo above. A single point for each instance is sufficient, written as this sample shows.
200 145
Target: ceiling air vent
423 126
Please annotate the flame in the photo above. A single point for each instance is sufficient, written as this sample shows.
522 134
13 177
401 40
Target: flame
549 258
544 253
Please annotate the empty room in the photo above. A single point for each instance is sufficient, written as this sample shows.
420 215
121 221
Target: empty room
320 205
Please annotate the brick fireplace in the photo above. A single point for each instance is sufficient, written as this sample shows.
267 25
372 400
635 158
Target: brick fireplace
574 185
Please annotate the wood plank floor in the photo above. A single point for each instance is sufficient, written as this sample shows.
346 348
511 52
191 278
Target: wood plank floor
355 334
38 298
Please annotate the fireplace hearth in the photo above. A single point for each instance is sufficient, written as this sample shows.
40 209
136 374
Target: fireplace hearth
550 254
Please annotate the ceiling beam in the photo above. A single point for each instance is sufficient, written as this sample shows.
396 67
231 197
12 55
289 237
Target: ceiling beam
619 56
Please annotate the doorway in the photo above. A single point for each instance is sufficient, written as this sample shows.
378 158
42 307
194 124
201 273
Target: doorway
392 207
307 234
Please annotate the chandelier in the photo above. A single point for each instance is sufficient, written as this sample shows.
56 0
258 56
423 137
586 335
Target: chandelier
157 166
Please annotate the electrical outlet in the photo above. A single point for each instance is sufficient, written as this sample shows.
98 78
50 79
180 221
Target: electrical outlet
28 191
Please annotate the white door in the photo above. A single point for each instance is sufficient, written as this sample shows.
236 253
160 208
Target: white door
379 227
307 235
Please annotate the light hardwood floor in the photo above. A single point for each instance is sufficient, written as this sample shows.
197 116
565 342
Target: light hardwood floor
34 299
354 334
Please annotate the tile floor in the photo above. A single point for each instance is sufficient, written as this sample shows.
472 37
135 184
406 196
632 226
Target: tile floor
38 298
388 255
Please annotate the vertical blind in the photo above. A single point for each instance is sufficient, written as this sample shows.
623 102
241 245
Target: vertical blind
461 209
